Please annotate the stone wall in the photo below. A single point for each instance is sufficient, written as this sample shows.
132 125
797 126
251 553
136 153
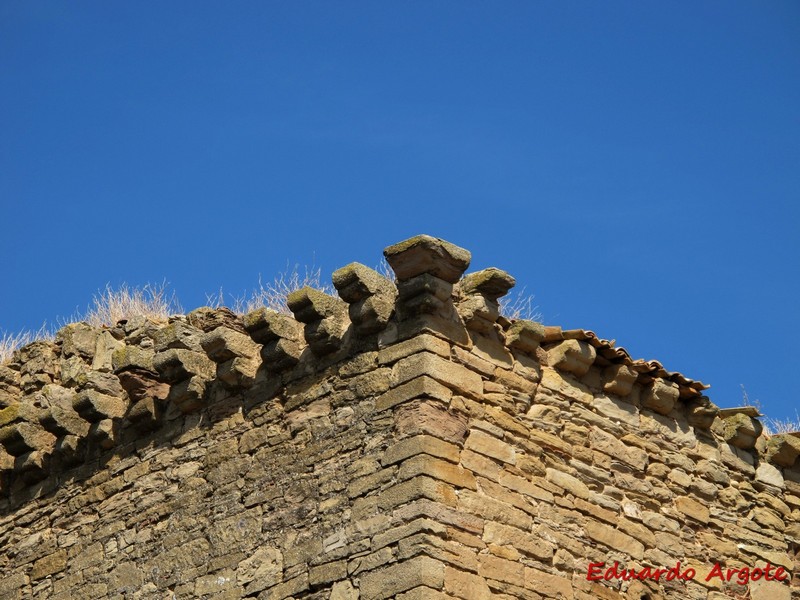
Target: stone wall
401 441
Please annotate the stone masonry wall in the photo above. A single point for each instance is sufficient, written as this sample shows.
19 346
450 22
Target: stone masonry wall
403 440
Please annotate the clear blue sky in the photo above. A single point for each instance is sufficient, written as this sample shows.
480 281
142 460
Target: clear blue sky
636 165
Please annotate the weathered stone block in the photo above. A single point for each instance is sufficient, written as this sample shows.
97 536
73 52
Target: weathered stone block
426 254
420 444
614 539
569 483
783 450
420 343
403 576
177 364
692 508
132 357
22 437
189 395
701 412
420 387
450 374
739 430
524 335
505 535
501 569
548 584
179 335
223 344
94 406
437 469
465 585
78 339
574 356
660 396
48 565
619 379
490 446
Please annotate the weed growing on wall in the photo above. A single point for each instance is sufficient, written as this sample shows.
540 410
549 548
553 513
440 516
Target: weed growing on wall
112 305
519 305
10 342
273 294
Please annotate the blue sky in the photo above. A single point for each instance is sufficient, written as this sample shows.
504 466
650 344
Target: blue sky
635 165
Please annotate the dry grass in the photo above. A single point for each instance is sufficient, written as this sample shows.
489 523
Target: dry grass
519 305
113 305
10 342
272 295
383 268
109 306
777 426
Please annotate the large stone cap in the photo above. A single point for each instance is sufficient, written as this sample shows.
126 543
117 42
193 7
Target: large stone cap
425 254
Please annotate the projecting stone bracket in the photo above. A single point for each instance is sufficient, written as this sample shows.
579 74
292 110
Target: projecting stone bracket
426 269
619 379
371 297
524 335
280 335
701 412
660 396
479 293
189 372
22 437
574 356
325 319
236 354
175 365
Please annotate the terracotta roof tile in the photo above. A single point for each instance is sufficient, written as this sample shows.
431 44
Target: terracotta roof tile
608 353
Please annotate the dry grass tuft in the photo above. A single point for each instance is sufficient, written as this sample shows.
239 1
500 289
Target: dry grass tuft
777 426
273 295
108 307
11 342
112 305
519 305
383 268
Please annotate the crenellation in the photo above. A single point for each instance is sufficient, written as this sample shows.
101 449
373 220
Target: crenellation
401 441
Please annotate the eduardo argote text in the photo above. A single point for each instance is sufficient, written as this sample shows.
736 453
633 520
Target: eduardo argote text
599 571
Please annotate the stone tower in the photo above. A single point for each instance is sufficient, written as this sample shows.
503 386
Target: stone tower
402 440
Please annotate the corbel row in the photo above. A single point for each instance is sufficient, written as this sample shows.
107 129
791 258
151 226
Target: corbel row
577 351
60 400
